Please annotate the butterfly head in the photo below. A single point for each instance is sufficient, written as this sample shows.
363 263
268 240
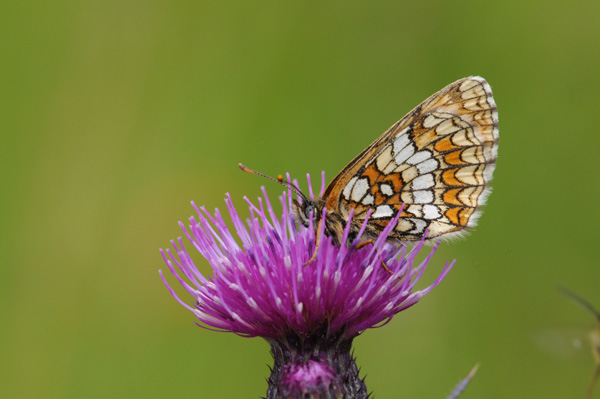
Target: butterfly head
308 211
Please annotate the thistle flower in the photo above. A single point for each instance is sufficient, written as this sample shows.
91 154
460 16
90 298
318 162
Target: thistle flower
309 314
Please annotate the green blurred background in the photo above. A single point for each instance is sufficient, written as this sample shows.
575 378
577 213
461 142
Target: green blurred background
116 114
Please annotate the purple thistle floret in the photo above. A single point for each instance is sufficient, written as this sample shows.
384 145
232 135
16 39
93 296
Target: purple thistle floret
308 313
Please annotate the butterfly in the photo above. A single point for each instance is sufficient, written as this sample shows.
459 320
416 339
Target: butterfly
433 166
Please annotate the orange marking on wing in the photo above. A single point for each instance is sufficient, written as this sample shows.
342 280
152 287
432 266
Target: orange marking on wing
465 215
424 139
395 200
375 176
372 174
449 178
451 196
379 198
418 130
452 215
454 158
380 222
361 209
406 214
445 144
396 181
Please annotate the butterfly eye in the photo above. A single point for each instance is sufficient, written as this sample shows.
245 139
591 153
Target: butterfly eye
303 212
308 209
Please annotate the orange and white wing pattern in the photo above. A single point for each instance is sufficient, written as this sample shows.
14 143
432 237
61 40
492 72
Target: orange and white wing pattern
437 161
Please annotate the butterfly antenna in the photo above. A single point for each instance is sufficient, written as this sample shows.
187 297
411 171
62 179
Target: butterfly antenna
278 180
580 301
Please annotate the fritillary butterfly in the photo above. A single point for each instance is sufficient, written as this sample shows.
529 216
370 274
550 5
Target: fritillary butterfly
434 166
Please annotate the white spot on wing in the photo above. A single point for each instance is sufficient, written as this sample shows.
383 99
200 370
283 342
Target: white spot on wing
403 155
368 200
360 189
386 189
419 157
420 226
348 188
431 212
423 182
401 141
428 166
423 197
382 211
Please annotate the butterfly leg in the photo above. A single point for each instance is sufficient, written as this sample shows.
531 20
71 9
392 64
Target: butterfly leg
364 244
317 242
369 241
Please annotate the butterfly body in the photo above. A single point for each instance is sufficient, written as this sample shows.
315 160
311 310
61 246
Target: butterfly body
434 165
334 222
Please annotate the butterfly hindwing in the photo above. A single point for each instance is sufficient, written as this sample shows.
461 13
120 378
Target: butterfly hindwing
437 161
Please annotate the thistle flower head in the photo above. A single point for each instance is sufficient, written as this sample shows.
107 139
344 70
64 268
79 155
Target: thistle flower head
261 286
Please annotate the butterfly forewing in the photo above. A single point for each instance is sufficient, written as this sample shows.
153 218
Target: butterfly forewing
437 161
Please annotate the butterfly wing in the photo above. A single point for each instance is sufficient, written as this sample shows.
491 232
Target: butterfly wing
438 161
